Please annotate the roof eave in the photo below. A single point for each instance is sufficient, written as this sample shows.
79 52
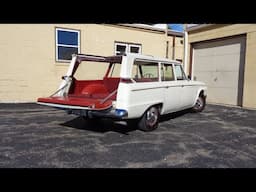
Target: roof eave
170 32
197 27
175 33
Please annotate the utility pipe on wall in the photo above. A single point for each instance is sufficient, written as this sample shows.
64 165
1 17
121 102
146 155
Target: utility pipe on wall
173 48
185 48
167 42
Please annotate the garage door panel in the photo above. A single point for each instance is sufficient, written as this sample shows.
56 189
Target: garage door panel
205 52
217 63
228 49
219 79
202 67
226 79
207 77
229 62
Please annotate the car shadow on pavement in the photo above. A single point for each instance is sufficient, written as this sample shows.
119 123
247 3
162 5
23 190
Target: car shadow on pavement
99 125
107 125
174 115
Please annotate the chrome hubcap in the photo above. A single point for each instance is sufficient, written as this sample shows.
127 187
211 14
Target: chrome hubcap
199 103
152 116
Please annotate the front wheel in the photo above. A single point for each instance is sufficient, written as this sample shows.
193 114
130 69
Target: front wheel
200 104
150 119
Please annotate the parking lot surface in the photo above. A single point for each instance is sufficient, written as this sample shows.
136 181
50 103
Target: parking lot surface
38 136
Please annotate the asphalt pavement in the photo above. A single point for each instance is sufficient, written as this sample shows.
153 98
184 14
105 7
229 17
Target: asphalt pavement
42 137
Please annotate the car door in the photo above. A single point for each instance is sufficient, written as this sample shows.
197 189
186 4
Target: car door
171 89
188 90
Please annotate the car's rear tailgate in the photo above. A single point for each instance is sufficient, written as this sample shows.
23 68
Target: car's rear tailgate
76 102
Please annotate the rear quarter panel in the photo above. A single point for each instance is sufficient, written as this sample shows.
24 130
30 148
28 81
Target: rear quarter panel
136 98
200 87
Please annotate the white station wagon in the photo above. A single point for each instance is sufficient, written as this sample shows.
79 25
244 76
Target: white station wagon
125 87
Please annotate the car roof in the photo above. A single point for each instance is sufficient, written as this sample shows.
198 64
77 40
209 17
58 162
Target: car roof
118 58
151 57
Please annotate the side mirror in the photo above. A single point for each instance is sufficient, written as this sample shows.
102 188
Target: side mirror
189 77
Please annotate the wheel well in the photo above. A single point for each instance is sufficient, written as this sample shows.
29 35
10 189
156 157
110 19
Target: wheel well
159 105
201 93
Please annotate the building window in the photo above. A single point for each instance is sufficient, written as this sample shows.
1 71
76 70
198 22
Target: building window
122 48
67 43
135 48
181 42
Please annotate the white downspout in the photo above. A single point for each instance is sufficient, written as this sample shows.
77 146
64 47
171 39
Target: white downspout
185 48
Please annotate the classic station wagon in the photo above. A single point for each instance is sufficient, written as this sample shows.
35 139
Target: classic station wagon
126 87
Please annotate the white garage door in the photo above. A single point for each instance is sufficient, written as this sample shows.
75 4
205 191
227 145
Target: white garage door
220 64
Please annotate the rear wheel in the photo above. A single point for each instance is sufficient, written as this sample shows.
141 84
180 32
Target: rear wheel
200 104
150 119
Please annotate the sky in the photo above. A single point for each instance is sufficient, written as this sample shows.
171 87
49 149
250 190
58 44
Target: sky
176 27
173 26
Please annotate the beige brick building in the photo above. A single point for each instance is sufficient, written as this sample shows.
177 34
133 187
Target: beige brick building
223 56
35 56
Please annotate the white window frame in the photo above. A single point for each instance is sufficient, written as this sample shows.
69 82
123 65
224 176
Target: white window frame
122 44
134 45
128 47
64 45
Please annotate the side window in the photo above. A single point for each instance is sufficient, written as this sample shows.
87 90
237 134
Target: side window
67 43
144 71
167 72
179 73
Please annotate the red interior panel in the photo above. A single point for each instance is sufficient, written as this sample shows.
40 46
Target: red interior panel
78 86
88 94
92 89
111 83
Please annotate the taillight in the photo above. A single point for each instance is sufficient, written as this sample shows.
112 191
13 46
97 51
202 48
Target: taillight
126 80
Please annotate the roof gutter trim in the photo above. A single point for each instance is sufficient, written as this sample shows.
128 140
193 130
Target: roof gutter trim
201 26
170 32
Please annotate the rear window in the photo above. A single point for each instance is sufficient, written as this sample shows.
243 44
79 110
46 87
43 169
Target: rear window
91 70
145 71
